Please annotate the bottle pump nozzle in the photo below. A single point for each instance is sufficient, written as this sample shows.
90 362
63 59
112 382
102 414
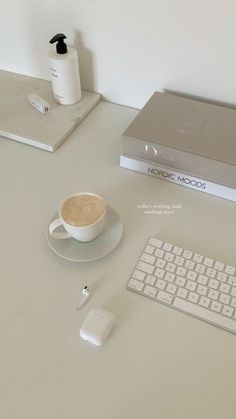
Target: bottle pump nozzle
61 45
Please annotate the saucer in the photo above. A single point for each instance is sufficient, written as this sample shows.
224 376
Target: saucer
76 251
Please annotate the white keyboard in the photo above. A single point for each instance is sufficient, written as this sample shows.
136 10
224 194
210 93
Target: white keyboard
187 281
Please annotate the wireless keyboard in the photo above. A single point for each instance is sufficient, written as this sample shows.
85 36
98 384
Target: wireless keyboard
187 281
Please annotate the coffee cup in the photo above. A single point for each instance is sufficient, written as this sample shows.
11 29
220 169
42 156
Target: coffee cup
82 215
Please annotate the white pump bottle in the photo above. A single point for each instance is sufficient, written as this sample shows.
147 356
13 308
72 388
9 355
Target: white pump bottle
64 70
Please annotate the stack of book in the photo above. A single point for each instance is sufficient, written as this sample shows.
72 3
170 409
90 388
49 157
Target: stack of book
184 141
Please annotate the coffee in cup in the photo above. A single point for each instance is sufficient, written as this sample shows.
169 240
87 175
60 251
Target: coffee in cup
82 215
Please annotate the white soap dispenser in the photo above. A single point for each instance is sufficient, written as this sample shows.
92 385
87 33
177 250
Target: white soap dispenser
64 69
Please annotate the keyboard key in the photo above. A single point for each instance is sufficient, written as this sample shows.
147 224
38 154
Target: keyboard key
197 258
200 268
201 290
232 281
202 279
191 285
145 267
139 275
227 311
171 288
230 270
213 294
169 277
182 292
148 258
219 266
169 257
233 292
187 254
193 297
221 276
177 250
167 247
211 272
170 267
179 260
189 264
215 306
191 275
180 281
224 298
136 285
233 302
149 249
155 242
159 273
204 302
159 253
150 280
150 291
160 284
208 262
164 297
181 271
224 288
213 283
160 263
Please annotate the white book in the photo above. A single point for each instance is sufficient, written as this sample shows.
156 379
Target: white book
180 178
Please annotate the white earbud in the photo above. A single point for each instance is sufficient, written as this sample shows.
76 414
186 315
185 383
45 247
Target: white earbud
86 292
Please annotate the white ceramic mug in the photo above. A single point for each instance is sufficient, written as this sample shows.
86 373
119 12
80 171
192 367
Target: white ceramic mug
82 215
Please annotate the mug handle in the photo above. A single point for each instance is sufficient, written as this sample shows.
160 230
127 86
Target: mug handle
57 234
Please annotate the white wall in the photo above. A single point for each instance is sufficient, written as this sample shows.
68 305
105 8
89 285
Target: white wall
129 48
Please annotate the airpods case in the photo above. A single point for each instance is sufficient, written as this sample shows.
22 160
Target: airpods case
97 326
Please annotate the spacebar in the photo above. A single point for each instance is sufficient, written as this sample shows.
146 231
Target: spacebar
205 314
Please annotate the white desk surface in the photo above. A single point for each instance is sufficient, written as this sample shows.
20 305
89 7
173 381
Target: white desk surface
158 363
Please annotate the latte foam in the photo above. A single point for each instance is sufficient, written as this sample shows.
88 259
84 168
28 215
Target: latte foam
83 210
